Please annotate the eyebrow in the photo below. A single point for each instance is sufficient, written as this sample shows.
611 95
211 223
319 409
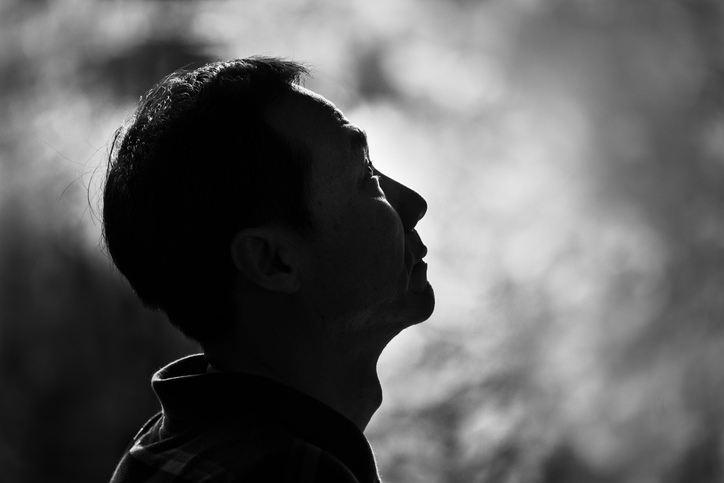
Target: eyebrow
358 140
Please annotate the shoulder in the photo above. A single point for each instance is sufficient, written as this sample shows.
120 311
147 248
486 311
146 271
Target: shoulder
307 463
229 454
284 459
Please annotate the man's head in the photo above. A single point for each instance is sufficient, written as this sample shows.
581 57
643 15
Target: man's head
217 159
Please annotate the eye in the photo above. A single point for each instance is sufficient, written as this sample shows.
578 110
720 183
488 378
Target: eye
370 168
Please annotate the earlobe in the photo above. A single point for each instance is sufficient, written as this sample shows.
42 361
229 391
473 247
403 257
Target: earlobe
266 258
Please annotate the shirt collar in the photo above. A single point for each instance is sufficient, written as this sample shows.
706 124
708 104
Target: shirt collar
187 391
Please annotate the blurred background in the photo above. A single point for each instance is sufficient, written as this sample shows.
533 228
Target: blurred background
572 155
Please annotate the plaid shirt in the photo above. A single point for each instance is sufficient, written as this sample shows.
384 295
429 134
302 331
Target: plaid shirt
232 427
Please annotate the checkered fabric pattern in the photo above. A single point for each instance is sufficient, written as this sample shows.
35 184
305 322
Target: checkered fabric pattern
218 428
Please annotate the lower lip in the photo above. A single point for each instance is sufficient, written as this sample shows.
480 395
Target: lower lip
418 277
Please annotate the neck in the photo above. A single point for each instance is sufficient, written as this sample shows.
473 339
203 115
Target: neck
352 388
341 375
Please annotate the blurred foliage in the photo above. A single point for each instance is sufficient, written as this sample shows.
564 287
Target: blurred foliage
572 154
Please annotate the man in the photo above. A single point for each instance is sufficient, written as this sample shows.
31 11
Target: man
247 209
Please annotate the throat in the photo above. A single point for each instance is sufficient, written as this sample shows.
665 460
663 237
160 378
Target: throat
359 401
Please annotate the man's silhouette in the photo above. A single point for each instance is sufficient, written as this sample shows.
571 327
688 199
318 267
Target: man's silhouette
247 209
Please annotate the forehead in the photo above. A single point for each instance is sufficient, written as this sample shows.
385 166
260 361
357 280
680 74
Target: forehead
307 117
317 103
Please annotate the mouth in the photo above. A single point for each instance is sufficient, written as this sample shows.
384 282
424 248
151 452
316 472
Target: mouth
417 250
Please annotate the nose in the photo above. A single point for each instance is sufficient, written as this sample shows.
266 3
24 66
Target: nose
409 205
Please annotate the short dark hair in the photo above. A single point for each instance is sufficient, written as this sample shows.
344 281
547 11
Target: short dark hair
193 165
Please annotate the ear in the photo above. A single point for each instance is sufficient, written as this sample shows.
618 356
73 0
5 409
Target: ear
267 257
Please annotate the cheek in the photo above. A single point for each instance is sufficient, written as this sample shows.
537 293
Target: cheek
382 231
369 251
365 246
361 266
384 248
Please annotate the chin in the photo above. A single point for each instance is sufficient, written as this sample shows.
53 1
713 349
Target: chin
417 307
388 320
426 304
